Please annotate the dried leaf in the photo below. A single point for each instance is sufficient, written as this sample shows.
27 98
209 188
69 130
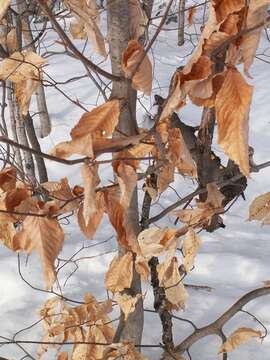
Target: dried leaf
123 351
94 221
257 13
24 70
8 178
127 179
260 208
46 237
3 7
232 109
191 245
224 8
137 19
7 232
179 154
62 356
116 279
165 177
86 14
91 179
239 337
169 278
191 13
121 220
127 303
99 122
142 79
154 242
214 196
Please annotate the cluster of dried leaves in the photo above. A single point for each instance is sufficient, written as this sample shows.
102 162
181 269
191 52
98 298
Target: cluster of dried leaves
28 218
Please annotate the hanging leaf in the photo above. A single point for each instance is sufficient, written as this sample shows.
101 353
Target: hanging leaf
179 154
224 8
191 245
24 70
214 196
137 20
123 351
91 180
87 25
45 236
95 218
116 279
232 109
154 242
127 180
169 278
97 124
132 56
257 14
239 337
3 7
260 208
127 303
8 178
191 13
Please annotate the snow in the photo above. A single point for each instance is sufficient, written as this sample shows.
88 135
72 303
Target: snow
233 261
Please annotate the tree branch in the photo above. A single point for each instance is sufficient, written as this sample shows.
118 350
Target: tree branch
215 328
71 46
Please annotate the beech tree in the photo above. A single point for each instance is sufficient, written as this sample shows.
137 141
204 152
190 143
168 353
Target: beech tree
215 78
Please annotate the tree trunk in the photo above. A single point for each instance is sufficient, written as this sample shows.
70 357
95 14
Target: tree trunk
45 123
118 25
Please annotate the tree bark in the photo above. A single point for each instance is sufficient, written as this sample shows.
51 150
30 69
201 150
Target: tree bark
118 25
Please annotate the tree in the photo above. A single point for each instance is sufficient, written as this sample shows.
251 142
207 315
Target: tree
155 155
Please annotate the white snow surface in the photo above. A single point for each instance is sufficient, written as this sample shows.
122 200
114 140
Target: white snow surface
233 260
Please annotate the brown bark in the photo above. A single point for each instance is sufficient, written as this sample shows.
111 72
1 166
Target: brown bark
118 24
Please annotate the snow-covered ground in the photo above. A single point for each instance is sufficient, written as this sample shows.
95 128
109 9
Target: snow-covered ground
233 261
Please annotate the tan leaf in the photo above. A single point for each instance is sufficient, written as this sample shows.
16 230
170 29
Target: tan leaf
239 337
12 41
24 70
8 178
232 109
46 237
62 356
224 8
121 220
77 30
191 13
87 16
191 245
127 303
142 80
179 154
116 279
137 19
214 196
3 7
165 177
199 215
63 199
99 122
94 221
169 278
7 232
142 267
91 180
154 242
123 351
260 207
79 146
127 179
257 13
183 82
